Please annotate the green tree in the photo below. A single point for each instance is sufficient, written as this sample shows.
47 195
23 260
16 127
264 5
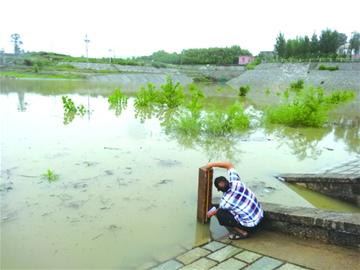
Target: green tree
15 38
280 46
314 45
330 41
355 42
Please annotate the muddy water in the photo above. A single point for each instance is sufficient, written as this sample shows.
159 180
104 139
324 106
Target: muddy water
127 189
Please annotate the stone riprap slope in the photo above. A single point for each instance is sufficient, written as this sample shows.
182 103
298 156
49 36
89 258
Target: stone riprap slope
223 73
123 68
279 76
138 79
184 73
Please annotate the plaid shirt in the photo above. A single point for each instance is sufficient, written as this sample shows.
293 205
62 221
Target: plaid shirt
241 202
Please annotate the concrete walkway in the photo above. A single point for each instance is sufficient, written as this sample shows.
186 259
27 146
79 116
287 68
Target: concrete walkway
351 167
264 251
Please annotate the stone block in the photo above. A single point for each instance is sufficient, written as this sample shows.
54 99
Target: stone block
264 263
202 264
224 253
214 245
248 256
230 264
168 265
192 255
289 266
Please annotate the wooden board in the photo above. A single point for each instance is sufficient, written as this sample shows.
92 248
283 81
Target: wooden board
204 193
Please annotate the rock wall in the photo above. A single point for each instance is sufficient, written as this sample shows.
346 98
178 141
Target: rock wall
336 228
279 76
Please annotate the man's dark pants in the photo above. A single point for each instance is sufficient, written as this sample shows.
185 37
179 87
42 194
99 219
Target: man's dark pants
227 219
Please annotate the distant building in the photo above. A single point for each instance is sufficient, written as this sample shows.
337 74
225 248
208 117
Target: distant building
344 49
266 56
355 57
245 59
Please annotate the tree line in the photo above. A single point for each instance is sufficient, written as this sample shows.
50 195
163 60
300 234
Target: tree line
212 56
326 45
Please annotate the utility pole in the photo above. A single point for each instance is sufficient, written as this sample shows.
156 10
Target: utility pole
110 53
86 45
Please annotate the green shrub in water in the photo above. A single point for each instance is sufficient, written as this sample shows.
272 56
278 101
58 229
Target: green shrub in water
117 101
195 104
339 97
70 110
171 94
50 176
219 123
145 97
243 90
187 124
308 108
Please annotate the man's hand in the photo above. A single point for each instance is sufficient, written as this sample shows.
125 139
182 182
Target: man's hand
211 212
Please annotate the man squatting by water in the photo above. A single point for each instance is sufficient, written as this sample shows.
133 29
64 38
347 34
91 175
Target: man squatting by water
239 210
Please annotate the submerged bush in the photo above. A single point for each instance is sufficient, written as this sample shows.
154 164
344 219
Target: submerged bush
171 94
146 96
188 124
309 107
117 101
195 104
233 119
70 109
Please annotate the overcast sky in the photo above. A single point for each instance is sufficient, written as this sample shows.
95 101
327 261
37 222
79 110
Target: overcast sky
140 27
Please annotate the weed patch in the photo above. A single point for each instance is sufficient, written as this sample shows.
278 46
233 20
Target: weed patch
71 110
308 108
50 176
117 101
329 68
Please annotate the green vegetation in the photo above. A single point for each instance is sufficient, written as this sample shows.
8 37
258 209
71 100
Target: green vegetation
308 108
212 56
326 45
267 91
220 123
244 90
145 97
50 176
27 74
71 110
117 101
253 64
170 95
297 86
204 79
330 68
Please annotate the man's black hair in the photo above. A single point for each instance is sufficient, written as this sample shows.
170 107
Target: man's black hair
218 180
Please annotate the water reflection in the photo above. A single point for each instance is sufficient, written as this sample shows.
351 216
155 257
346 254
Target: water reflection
350 134
22 104
191 137
304 142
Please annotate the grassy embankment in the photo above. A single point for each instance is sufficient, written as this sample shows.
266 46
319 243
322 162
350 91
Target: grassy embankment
48 65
